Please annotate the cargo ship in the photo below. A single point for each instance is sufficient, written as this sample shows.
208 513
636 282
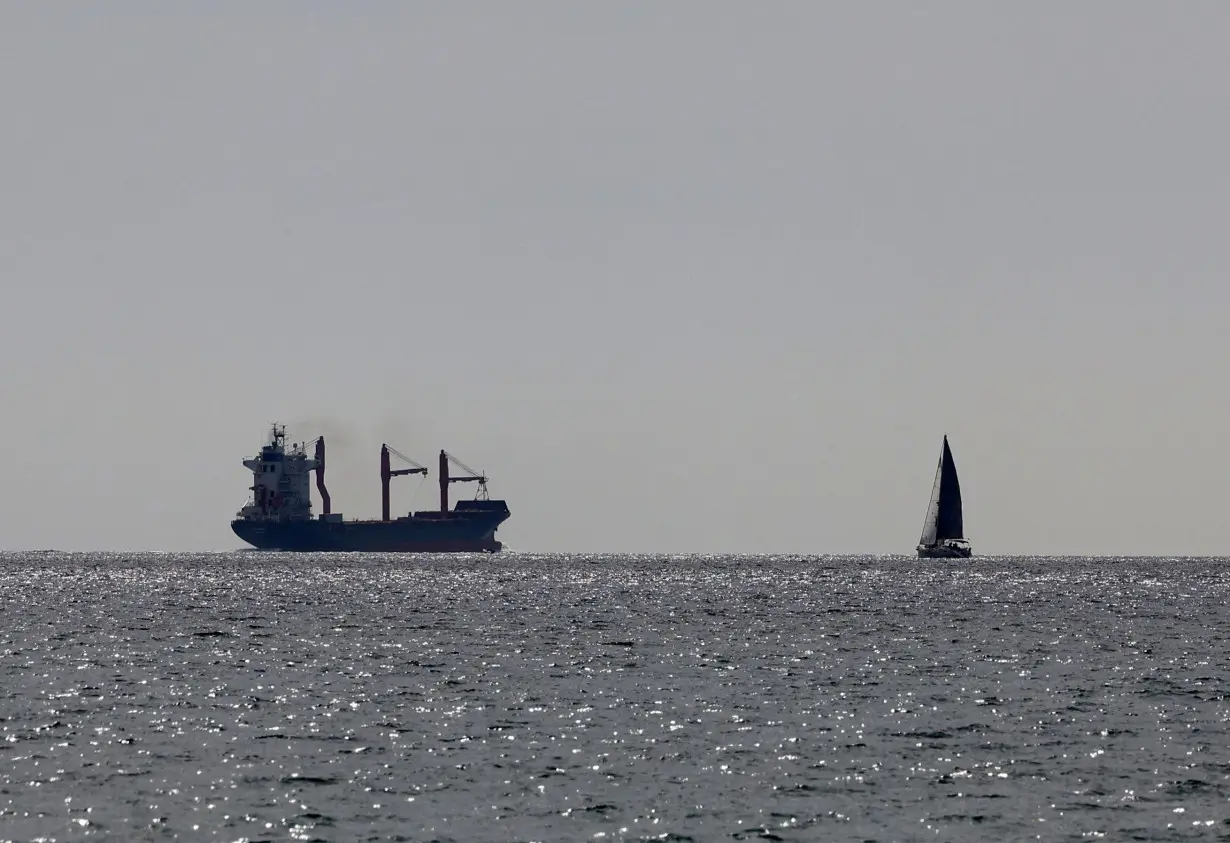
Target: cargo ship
279 514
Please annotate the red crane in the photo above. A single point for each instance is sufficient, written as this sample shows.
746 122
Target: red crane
387 473
445 478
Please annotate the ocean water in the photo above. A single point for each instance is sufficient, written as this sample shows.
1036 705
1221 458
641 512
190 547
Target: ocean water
256 696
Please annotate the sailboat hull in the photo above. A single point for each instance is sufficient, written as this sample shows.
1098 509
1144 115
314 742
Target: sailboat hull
945 551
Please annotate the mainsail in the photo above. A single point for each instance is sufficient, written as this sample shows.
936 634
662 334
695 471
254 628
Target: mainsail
943 519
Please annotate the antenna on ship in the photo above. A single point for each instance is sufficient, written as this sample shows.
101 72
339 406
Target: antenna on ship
387 472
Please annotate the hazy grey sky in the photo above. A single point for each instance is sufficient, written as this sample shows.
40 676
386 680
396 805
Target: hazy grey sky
686 276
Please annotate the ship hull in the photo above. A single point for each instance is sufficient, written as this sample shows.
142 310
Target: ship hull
473 533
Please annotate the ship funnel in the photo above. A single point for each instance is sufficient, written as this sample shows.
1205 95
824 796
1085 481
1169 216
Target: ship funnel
320 476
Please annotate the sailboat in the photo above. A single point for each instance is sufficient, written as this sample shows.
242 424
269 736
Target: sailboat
943 535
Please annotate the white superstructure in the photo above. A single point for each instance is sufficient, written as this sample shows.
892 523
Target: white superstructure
280 488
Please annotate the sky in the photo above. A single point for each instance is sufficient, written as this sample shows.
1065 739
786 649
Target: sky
699 276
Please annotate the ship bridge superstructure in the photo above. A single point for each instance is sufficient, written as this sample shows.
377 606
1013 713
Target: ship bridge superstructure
280 480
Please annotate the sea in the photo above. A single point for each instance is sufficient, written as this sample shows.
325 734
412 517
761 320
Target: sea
250 696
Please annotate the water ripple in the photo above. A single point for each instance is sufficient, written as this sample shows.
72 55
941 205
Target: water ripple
246 696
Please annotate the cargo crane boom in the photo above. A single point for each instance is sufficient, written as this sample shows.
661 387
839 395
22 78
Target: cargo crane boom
387 472
446 478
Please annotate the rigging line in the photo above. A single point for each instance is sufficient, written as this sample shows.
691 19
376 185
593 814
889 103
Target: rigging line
417 489
403 457
462 465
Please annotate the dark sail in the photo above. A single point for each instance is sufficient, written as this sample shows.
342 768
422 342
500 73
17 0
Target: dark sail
948 521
